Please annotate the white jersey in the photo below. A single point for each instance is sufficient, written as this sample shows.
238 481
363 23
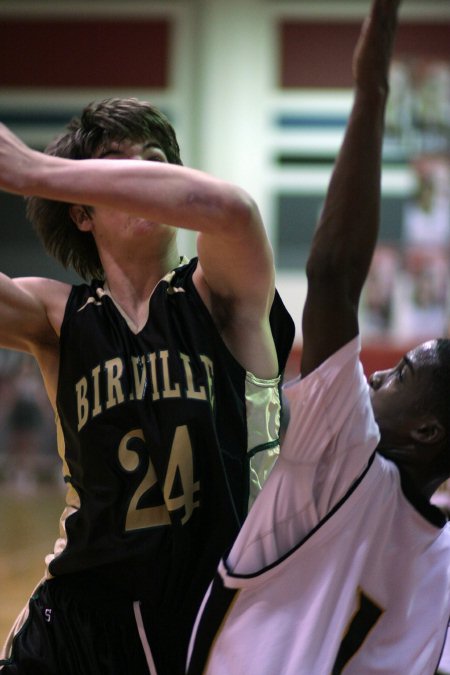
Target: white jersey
335 570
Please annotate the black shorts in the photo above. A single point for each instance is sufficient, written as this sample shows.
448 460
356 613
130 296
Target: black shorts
70 632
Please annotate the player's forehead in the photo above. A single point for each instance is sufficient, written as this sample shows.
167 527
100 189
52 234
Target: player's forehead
423 355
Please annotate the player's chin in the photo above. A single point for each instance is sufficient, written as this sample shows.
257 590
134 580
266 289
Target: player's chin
384 452
398 456
385 447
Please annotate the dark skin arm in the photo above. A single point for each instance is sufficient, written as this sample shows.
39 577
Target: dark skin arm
345 237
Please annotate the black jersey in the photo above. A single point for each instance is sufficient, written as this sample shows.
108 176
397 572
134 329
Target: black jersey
155 438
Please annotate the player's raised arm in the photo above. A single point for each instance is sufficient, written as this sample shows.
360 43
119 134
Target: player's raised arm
235 275
25 315
156 190
347 230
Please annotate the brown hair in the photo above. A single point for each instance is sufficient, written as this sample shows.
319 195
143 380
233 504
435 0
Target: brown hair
113 119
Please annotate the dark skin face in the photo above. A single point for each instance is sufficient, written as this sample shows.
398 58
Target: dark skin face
411 435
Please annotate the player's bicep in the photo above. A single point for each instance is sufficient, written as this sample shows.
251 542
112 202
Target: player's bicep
23 313
329 321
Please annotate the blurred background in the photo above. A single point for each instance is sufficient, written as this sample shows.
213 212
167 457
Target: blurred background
259 92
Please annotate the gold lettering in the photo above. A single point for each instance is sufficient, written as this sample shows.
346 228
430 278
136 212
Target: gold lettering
114 370
82 402
191 391
168 391
97 405
140 379
151 359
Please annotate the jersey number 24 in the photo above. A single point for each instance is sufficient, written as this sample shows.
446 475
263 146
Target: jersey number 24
180 469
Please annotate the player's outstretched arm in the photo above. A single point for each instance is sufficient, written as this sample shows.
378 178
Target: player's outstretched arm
164 193
347 230
236 264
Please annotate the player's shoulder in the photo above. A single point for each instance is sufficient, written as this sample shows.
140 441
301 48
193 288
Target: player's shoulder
52 294
42 286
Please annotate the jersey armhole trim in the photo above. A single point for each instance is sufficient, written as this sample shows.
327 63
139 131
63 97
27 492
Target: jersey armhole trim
329 515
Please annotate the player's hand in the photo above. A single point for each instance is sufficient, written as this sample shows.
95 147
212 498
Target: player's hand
16 163
373 51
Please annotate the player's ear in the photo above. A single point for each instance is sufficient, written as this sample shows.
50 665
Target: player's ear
81 218
429 431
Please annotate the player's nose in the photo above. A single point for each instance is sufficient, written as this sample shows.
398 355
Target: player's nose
376 379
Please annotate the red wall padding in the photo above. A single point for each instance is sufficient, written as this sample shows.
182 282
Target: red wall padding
318 54
84 53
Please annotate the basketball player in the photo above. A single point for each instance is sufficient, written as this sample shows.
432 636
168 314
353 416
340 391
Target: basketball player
343 565
157 369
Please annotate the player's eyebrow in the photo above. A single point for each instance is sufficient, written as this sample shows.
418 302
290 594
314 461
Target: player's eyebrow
152 144
109 152
117 152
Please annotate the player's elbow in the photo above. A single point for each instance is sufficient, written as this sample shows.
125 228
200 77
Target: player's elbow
329 266
326 262
238 218
241 213
224 208
335 276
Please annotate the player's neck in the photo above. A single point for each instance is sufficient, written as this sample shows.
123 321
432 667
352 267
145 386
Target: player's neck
420 481
131 286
